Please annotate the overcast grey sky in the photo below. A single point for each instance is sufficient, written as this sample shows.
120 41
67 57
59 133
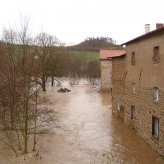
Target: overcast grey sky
71 21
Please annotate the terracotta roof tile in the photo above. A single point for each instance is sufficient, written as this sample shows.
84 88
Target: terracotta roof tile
106 54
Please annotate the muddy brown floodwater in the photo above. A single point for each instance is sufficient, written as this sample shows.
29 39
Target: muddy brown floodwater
88 133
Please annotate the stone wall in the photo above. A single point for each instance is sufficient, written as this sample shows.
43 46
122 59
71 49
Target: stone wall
133 97
124 97
118 81
146 75
145 108
106 68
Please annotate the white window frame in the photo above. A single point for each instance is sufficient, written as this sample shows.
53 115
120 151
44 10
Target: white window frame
133 88
156 94
118 105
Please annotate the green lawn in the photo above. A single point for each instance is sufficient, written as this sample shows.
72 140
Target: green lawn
85 55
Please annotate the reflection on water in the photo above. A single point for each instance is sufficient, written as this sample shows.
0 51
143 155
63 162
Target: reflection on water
88 133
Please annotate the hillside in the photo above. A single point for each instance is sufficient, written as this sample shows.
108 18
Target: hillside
94 44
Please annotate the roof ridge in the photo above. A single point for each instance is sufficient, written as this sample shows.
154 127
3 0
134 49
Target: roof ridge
144 36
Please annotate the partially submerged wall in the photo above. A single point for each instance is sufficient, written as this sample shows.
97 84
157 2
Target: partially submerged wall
106 70
135 94
118 81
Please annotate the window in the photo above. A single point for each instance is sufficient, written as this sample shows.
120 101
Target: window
155 127
156 55
133 88
133 112
156 94
133 60
118 105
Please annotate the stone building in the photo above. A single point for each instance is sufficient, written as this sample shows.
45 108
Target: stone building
118 81
142 99
106 67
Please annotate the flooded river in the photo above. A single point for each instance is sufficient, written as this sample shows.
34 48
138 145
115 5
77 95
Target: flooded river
88 133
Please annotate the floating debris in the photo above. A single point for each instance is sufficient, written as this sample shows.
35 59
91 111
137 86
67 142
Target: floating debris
63 90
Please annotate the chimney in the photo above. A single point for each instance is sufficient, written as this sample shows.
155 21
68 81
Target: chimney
159 25
147 28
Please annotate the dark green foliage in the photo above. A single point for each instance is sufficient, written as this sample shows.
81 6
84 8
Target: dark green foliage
93 69
94 44
75 63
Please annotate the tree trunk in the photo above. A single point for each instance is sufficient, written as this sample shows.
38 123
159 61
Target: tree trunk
26 120
52 80
44 84
35 123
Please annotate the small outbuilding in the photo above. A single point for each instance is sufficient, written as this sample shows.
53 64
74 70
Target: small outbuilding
106 67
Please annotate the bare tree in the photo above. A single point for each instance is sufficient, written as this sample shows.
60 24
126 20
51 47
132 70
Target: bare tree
45 51
19 92
93 72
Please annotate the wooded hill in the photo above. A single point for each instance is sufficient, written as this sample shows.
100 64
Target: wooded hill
94 44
